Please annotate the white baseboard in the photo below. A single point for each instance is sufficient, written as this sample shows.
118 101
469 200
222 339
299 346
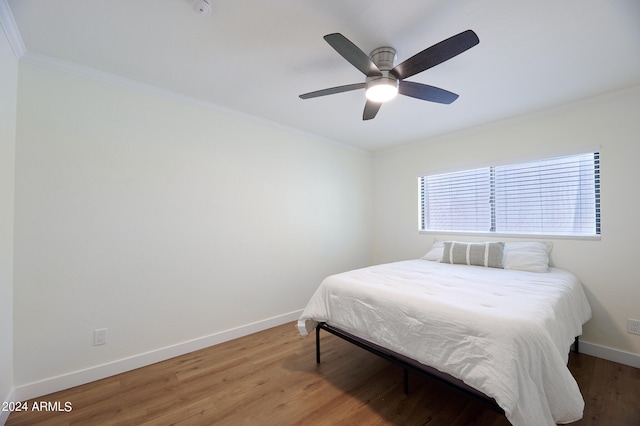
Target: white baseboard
80 377
610 354
4 415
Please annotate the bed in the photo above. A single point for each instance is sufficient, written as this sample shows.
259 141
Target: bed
503 332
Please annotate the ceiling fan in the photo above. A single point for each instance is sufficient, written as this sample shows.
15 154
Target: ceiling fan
384 81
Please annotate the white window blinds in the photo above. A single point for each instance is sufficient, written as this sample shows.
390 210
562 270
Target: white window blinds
557 196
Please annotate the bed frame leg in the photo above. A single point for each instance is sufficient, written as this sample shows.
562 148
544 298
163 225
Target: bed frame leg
318 344
576 345
406 381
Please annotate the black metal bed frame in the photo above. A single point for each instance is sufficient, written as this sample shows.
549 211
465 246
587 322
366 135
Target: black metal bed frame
410 364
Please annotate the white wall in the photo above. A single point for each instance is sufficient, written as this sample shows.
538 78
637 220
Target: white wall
164 221
8 96
606 267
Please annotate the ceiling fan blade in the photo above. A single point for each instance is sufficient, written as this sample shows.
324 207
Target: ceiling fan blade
333 90
436 54
426 92
353 54
371 109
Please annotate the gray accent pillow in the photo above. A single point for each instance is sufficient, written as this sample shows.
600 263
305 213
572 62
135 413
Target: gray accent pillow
479 254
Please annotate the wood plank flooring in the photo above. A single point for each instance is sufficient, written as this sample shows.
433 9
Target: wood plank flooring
271 378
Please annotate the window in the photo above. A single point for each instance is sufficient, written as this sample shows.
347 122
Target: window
557 196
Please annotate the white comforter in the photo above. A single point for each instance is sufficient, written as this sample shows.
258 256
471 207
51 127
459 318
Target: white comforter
506 333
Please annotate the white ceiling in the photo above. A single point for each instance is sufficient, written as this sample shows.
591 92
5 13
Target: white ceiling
256 56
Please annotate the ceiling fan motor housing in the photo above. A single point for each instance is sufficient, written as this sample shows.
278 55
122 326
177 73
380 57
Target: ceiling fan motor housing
384 58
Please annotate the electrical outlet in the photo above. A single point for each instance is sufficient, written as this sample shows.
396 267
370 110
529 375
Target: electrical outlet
633 326
100 336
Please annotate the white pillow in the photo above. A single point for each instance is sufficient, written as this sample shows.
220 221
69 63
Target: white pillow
436 253
530 256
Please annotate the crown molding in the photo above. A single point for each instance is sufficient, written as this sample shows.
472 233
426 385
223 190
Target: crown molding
8 24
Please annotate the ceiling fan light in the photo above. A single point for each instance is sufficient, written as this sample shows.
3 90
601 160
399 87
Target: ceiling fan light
382 90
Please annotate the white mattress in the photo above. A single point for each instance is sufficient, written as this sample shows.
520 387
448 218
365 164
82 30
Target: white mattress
506 333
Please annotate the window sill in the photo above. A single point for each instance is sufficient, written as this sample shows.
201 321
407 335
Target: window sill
514 235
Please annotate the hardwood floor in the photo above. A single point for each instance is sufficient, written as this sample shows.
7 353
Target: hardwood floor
271 378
